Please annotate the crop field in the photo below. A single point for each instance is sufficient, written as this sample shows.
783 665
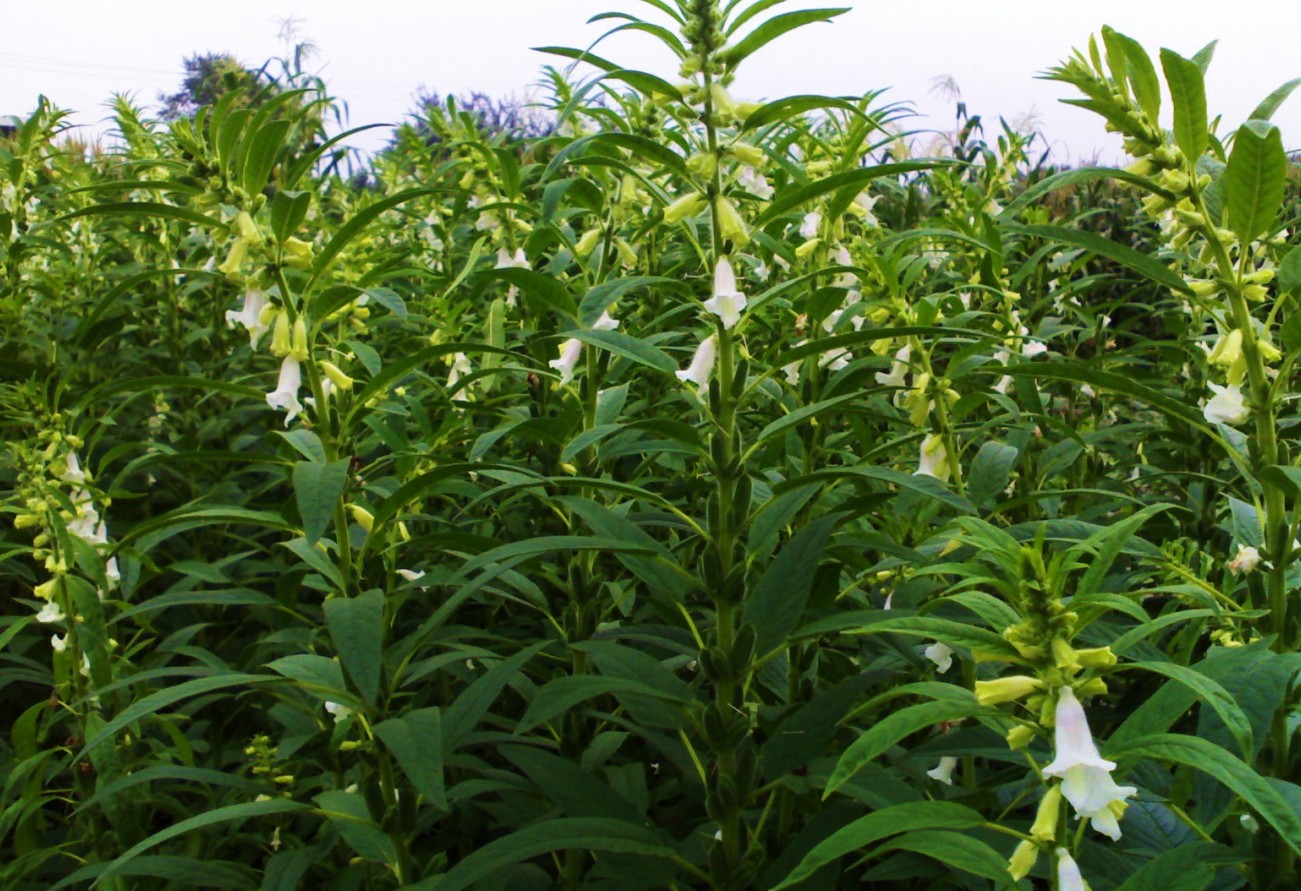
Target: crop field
657 490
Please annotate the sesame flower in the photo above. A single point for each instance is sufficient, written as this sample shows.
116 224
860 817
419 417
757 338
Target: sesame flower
570 350
1085 774
943 773
727 301
250 316
1226 406
702 363
1245 561
285 395
941 655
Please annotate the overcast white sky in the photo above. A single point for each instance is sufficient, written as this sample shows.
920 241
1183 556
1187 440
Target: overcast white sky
376 55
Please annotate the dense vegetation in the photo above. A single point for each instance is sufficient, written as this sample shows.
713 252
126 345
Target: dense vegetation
672 493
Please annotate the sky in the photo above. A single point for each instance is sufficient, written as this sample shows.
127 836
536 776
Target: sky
379 55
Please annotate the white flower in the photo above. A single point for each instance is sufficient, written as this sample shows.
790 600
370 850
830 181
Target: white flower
505 260
702 363
285 395
460 366
754 182
1226 406
250 316
1001 357
834 360
112 574
570 350
411 575
59 642
865 203
1245 561
727 301
809 225
845 279
941 655
943 773
1086 775
1032 348
1068 873
73 473
933 459
792 369
605 323
339 712
86 524
50 613
898 370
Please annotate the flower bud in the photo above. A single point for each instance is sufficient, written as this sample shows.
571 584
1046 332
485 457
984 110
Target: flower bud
364 518
746 154
337 377
1045 819
1006 689
1023 860
1020 736
297 253
686 206
587 243
298 346
280 335
730 223
1096 657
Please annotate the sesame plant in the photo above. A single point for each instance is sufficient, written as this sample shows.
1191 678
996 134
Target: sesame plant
671 491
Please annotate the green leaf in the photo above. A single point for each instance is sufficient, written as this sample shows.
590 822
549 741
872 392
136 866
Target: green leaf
1104 247
316 558
927 486
1188 93
1221 765
1118 383
778 600
261 158
884 823
563 693
628 347
792 197
791 106
1265 110
773 28
318 675
894 727
600 298
288 210
146 209
160 700
359 221
1254 179
356 626
800 415
990 471
1181 869
575 792
955 850
460 717
1142 76
565 834
318 487
416 741
348 812
958 634
226 814
1213 694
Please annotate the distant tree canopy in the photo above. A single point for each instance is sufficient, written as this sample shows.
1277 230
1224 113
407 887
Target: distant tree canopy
208 77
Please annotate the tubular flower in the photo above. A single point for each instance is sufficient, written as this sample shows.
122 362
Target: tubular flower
1068 873
285 395
50 613
73 474
730 224
1245 561
898 370
1226 406
702 363
727 301
1085 774
941 655
809 225
250 316
933 459
943 773
460 366
1006 689
606 322
570 350
1023 859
